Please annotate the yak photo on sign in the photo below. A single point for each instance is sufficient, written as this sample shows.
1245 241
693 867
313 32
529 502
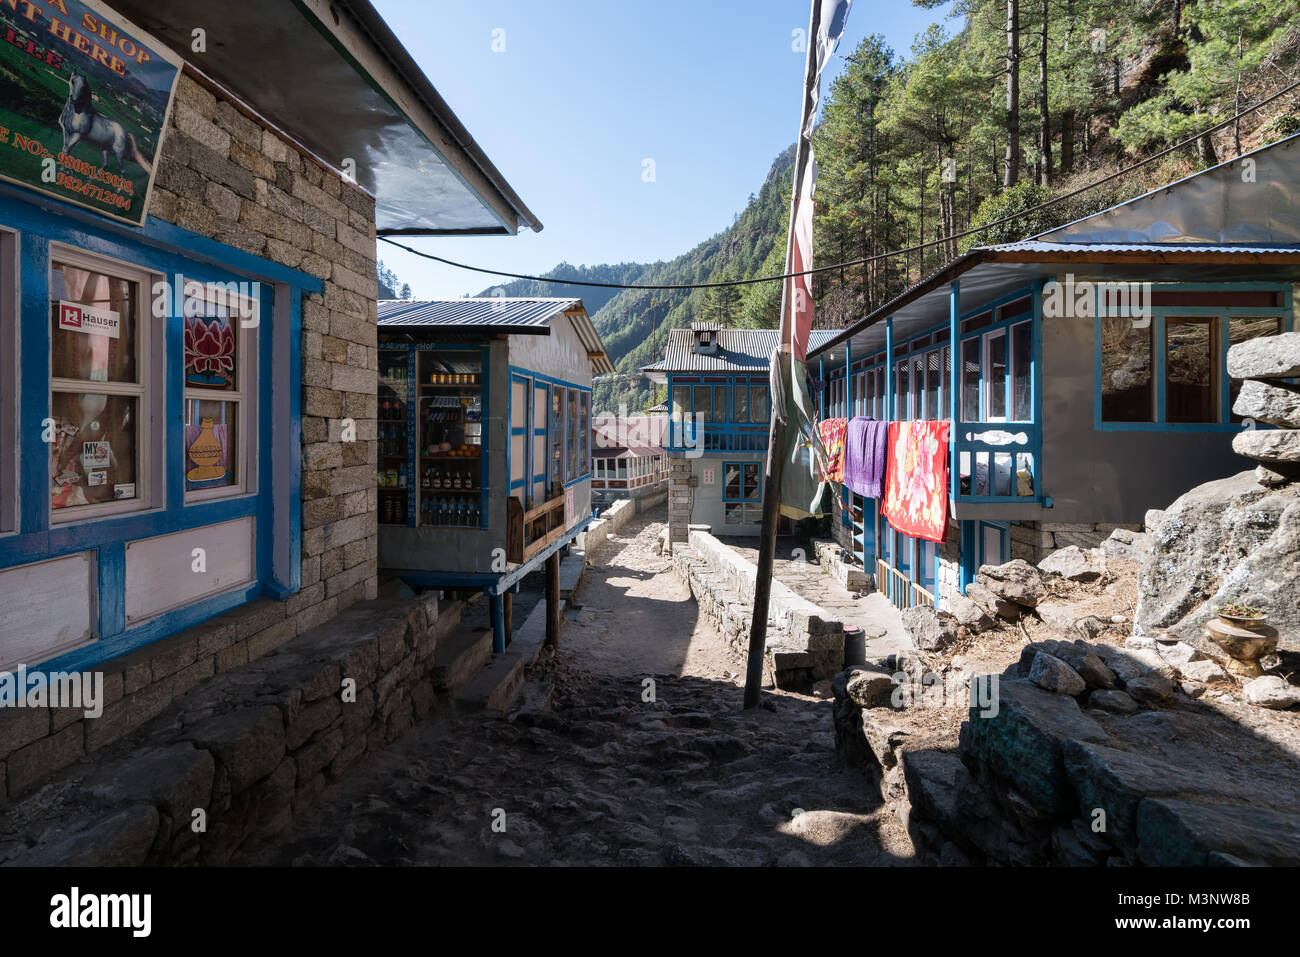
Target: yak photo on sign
84 98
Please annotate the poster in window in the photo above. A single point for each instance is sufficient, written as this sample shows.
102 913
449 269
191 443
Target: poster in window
209 353
209 444
84 99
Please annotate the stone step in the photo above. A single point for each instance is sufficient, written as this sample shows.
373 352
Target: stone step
496 686
459 658
536 696
572 568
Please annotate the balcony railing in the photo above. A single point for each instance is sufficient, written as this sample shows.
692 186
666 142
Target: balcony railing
529 531
901 591
717 436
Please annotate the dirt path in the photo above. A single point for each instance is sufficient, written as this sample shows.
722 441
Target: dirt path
645 759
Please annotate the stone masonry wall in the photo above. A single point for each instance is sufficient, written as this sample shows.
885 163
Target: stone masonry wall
1034 541
226 176
681 496
250 750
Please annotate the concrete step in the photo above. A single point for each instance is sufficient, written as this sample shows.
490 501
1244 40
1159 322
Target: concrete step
496 686
459 658
572 568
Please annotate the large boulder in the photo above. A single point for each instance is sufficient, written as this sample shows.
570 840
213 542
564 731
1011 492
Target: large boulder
1052 674
1226 541
969 614
1073 564
1016 581
1273 402
1269 357
1274 446
1128 545
930 630
993 604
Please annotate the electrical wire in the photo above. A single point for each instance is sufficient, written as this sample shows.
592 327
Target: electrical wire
866 259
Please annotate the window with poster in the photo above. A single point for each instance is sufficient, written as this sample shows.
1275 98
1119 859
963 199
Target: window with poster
220 373
101 394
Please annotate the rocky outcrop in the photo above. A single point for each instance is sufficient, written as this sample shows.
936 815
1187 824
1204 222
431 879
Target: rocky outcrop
1231 540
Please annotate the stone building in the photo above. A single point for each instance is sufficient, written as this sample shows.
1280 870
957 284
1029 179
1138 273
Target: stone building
188 349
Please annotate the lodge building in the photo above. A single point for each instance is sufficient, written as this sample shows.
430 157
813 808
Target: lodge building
1088 383
188 367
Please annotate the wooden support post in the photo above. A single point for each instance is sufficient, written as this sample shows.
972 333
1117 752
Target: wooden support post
497 615
553 600
508 613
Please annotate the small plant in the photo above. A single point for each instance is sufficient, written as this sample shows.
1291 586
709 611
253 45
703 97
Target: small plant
1236 610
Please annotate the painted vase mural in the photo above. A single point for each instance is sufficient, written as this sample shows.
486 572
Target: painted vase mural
205 444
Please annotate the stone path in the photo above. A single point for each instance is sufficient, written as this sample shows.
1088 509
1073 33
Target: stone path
796 566
646 758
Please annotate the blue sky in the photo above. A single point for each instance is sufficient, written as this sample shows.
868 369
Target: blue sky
585 91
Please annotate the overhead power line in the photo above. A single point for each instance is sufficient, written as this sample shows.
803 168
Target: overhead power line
866 259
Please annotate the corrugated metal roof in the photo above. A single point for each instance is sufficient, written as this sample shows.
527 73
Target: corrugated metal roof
1042 246
493 311
739 350
497 314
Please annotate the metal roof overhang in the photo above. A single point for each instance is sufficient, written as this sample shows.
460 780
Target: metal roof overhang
987 273
331 74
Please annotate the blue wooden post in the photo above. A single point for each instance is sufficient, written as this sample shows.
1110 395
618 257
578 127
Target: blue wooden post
889 369
821 393
954 415
849 411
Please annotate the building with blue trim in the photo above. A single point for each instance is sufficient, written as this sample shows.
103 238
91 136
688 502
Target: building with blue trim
188 403
485 440
1084 370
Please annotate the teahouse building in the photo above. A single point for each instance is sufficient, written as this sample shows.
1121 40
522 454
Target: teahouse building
1084 370
188 339
484 440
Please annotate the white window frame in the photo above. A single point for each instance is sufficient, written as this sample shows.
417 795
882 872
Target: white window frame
149 363
245 396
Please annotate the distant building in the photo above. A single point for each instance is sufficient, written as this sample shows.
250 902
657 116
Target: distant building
717 425
628 459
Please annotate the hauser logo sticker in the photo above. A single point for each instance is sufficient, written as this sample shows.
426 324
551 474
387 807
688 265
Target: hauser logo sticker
100 322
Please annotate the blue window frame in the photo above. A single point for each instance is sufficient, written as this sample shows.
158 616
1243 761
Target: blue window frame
267 495
1167 370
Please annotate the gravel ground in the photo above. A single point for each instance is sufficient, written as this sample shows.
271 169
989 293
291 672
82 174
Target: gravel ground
645 759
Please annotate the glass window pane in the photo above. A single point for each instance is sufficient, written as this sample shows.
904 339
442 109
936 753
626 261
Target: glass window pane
1022 356
557 437
211 444
1191 365
731 480
703 402
1126 382
932 409
901 412
918 386
750 481
1241 329
572 436
740 398
995 382
758 410
210 361
945 380
584 431
719 403
93 452
681 403
970 380
92 325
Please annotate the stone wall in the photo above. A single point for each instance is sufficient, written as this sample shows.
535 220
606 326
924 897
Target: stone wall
250 750
1034 541
681 498
226 176
804 643
610 521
